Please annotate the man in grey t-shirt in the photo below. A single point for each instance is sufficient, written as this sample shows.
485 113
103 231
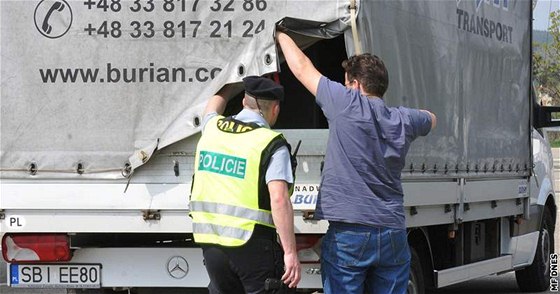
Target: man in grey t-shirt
365 248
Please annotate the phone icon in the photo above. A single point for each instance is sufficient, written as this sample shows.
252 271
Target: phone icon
57 6
53 18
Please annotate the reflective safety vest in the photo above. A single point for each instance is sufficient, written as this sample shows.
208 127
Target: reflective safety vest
229 195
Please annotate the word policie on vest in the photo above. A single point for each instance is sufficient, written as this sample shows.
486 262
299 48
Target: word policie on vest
222 164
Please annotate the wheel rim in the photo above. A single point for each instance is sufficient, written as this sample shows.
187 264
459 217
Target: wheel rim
545 249
412 285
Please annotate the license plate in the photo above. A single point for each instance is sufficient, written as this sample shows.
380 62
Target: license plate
55 275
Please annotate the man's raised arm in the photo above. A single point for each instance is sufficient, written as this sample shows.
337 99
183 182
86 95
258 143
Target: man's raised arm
300 65
218 102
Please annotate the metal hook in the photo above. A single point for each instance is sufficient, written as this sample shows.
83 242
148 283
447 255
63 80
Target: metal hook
32 168
80 168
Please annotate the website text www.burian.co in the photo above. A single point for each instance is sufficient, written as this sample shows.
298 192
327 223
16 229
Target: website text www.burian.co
115 74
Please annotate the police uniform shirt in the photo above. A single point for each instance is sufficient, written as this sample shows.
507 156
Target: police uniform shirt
279 167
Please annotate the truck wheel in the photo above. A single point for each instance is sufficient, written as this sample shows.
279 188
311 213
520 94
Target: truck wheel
416 278
536 277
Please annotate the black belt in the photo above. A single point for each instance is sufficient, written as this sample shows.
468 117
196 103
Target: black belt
264 232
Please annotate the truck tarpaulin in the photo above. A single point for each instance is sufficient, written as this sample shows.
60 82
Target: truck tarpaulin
102 83
89 86
469 63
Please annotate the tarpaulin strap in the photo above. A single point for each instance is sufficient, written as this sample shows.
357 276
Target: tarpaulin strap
355 36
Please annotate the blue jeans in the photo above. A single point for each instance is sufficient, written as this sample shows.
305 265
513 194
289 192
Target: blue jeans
364 259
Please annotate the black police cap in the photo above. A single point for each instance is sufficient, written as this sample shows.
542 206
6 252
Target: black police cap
263 88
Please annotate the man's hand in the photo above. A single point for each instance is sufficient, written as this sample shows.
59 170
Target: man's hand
292 271
283 216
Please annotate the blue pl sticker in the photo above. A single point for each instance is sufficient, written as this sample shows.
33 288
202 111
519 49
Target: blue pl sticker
14 274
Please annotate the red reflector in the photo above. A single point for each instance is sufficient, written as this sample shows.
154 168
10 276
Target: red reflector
36 247
309 248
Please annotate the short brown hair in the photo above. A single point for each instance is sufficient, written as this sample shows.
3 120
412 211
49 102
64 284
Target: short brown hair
370 71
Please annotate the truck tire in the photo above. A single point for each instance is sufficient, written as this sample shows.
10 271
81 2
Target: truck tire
416 278
536 277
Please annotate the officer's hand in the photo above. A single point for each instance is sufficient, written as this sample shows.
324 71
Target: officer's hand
292 273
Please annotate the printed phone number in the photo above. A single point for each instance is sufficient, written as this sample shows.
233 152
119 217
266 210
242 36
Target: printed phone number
175 29
177 5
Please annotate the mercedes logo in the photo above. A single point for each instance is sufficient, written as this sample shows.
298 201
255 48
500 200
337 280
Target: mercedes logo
177 267
53 18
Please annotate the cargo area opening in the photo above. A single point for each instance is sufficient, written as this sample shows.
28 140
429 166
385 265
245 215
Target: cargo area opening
299 110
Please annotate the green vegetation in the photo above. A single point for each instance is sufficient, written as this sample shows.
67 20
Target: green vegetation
540 37
555 143
546 60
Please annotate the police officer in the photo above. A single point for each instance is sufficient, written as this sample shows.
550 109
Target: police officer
240 194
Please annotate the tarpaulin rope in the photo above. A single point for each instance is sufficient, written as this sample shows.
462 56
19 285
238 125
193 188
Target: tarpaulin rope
355 36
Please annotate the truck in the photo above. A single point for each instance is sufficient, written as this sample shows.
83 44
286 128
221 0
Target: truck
101 104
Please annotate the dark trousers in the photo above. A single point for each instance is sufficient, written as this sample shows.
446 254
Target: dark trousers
243 269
